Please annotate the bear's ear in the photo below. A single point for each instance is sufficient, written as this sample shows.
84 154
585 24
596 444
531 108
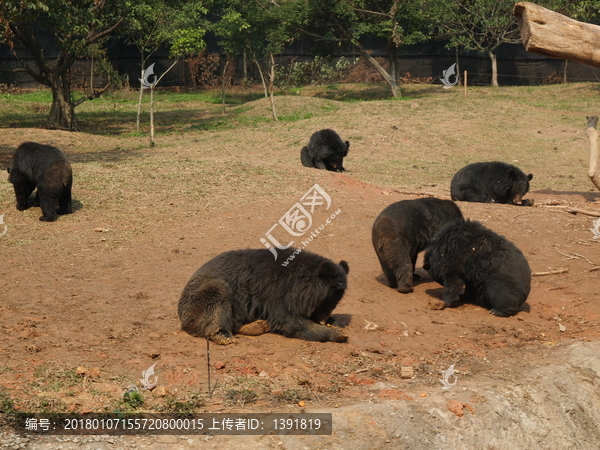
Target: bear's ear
328 269
345 266
512 173
530 176
347 144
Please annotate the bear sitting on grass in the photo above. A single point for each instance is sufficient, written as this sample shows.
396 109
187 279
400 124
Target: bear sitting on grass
47 168
492 270
491 182
325 150
240 287
404 229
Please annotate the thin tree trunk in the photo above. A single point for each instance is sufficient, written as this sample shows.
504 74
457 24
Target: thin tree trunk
139 109
391 49
271 87
458 77
152 116
92 76
565 71
223 84
262 77
494 69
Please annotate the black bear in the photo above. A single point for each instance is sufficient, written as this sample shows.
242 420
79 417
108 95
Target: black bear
47 168
325 150
492 270
240 287
491 182
404 229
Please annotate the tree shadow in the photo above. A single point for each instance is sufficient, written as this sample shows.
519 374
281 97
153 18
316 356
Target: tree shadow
116 154
5 157
588 196
113 155
438 293
371 92
342 320
420 276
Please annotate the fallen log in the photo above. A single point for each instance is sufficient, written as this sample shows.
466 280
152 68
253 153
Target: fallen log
554 35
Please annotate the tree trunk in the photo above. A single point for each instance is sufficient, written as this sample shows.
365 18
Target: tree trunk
62 111
262 77
223 82
139 109
152 115
271 87
392 81
550 34
391 49
494 69
592 133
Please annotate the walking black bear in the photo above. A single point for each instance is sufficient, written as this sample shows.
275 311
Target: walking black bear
404 229
47 168
492 270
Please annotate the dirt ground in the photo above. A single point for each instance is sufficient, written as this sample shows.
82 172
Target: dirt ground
105 320
100 292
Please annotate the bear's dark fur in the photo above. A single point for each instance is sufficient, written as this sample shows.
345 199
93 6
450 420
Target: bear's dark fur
404 229
491 182
241 286
492 270
47 168
325 150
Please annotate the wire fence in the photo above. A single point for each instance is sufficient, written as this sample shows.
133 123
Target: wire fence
207 70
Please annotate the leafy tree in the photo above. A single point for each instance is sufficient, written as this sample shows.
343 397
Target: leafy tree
73 26
484 25
397 22
255 29
180 25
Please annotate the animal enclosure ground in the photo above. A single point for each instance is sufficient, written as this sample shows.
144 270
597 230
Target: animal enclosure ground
99 288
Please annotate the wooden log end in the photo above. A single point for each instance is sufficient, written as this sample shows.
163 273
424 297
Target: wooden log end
592 121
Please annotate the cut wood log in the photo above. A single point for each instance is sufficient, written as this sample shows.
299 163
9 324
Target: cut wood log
554 35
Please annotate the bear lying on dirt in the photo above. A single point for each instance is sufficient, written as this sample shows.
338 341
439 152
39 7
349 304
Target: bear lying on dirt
47 168
405 228
492 270
491 182
239 287
325 150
